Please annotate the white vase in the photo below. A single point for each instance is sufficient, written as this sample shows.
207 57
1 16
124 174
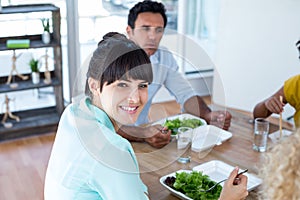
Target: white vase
35 76
46 37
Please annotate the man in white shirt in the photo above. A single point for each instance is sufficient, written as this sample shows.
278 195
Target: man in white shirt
146 23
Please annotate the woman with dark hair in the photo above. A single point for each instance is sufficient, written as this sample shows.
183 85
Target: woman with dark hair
89 160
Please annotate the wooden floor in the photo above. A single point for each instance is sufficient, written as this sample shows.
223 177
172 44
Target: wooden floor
23 163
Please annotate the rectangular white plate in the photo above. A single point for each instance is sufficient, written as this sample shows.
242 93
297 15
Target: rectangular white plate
181 117
216 170
208 136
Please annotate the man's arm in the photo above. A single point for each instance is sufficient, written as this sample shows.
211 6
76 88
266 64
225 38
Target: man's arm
270 105
154 135
179 87
196 106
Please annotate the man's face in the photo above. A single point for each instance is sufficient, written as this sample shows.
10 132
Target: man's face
148 31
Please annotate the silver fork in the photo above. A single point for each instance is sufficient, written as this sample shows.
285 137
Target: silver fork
212 187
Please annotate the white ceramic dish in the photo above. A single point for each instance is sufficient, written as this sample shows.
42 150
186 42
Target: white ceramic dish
208 136
181 117
216 170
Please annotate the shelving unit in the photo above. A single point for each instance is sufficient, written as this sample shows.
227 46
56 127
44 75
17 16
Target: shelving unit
42 120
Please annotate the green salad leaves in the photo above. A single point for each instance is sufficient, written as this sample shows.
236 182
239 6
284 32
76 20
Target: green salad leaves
174 124
190 184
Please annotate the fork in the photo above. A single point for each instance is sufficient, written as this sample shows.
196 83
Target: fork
212 187
162 130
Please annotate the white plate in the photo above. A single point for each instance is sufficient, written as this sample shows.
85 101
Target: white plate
181 117
174 192
275 136
208 136
216 170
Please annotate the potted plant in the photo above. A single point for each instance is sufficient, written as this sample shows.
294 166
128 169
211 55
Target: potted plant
46 33
35 72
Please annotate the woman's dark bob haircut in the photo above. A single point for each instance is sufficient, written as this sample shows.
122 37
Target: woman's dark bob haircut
118 58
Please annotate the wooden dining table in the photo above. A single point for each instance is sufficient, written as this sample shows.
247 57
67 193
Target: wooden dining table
236 151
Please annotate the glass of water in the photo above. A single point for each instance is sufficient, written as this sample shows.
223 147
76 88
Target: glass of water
261 130
184 142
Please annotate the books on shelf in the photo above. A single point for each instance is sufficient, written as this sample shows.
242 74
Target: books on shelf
18 43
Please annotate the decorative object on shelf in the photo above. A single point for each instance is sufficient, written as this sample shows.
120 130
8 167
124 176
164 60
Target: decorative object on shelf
35 72
47 73
8 114
14 69
42 115
18 43
46 33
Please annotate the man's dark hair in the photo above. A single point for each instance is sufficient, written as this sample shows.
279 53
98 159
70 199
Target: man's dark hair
146 6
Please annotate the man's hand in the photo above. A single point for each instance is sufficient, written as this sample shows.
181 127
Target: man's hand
270 105
196 106
274 105
221 119
158 136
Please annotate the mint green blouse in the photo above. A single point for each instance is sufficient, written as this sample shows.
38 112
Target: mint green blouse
89 160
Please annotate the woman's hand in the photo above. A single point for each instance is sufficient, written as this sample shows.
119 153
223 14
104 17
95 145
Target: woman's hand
235 188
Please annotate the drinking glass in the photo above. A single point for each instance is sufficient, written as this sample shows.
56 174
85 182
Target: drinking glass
261 130
184 142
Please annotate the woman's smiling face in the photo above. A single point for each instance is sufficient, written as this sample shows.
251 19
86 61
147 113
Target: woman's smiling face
123 100
118 77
